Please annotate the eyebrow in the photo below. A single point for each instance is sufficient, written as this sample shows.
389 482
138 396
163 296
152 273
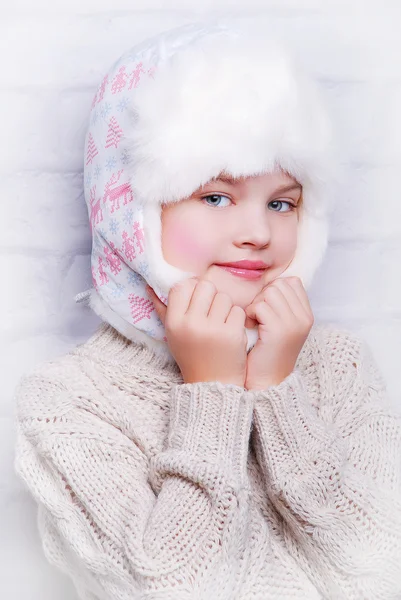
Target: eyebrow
232 181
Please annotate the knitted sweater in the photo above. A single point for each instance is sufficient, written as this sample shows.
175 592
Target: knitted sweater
152 488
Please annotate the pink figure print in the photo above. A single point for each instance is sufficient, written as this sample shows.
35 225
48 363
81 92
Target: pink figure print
139 237
135 76
128 246
140 308
94 279
92 150
96 214
113 259
114 194
120 80
103 275
114 133
94 100
102 88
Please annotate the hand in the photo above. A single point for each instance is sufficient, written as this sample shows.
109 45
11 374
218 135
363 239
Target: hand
285 318
205 332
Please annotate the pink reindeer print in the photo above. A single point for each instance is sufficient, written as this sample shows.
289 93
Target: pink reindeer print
96 215
115 193
102 273
120 80
112 258
135 76
128 246
140 308
139 237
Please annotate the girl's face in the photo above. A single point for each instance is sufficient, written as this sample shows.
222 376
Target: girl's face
226 220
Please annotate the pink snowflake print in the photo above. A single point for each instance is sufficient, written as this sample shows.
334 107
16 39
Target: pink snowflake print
140 308
92 150
139 237
114 133
102 273
115 193
120 80
102 88
96 215
135 76
112 258
128 246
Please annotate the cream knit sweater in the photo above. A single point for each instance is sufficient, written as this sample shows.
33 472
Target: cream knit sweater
151 488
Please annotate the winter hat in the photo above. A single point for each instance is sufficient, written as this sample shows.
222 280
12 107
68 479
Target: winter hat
172 113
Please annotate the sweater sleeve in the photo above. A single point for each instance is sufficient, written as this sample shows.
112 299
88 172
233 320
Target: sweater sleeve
334 474
126 526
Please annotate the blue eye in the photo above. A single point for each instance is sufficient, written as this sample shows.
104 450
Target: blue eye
214 196
292 206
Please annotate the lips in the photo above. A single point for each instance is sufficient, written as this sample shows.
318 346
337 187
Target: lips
247 269
245 264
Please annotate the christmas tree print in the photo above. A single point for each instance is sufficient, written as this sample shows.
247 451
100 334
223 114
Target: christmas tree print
114 133
140 307
92 150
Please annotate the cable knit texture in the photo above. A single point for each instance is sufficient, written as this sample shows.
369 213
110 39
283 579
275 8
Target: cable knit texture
152 488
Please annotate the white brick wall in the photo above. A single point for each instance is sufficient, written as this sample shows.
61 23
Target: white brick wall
53 58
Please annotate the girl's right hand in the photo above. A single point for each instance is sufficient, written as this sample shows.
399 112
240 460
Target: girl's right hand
205 332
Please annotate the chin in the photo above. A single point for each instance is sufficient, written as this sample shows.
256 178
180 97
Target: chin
241 291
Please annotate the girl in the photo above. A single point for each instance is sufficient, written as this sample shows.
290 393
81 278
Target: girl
210 440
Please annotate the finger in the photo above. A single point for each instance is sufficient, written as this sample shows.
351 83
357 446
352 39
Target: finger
262 313
275 298
202 298
180 297
220 308
297 285
160 308
250 323
293 298
236 317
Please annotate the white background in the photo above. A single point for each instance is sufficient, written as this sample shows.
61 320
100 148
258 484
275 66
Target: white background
52 59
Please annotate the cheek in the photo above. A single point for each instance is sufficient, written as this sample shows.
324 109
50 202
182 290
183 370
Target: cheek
185 244
286 242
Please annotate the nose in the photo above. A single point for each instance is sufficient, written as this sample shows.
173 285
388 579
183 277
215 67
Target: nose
253 229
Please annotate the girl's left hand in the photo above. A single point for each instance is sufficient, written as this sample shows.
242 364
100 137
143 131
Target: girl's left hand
284 316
